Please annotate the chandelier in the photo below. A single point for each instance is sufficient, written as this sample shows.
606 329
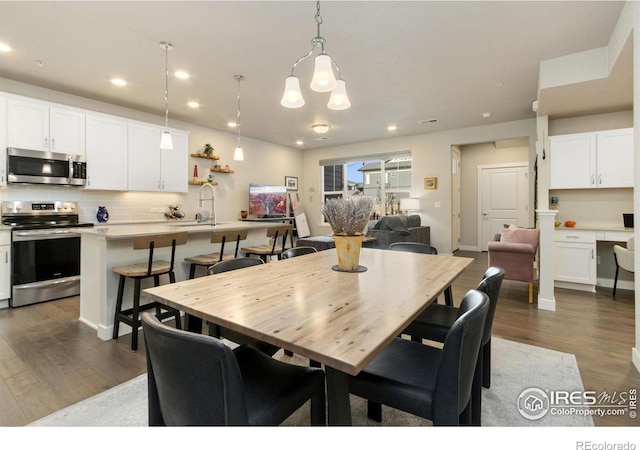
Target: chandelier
323 78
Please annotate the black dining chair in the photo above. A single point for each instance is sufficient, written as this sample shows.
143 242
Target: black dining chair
297 251
232 335
419 247
195 379
427 381
436 321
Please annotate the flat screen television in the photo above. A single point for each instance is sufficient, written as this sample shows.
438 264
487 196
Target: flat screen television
267 201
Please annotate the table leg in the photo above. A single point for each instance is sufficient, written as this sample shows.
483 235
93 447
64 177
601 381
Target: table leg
192 323
338 397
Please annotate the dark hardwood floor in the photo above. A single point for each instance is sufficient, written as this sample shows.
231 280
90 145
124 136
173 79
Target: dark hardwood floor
49 360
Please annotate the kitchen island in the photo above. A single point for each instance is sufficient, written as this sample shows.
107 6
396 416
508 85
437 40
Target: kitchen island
104 247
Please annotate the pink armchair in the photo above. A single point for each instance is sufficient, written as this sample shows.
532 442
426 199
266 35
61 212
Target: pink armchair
515 252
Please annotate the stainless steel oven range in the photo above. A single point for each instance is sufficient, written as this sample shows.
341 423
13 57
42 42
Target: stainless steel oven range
45 250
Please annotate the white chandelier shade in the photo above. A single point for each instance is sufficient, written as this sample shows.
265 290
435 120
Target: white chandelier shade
339 99
323 78
292 97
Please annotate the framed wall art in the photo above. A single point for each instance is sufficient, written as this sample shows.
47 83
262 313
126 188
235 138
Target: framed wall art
291 183
431 183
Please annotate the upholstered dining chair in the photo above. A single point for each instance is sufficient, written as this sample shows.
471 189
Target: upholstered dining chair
623 257
436 321
232 335
195 379
297 251
427 381
418 247
516 253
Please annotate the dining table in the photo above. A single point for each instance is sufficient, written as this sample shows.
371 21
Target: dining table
307 306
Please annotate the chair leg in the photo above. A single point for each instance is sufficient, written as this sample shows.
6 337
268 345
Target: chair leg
530 292
374 410
116 320
476 392
135 316
192 272
486 365
615 281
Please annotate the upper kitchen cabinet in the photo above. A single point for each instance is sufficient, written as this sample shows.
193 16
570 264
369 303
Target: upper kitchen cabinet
106 152
152 169
38 125
174 164
602 159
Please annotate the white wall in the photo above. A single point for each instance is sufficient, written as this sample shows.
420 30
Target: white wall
232 192
431 158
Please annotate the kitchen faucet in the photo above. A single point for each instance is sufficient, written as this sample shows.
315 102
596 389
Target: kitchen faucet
212 200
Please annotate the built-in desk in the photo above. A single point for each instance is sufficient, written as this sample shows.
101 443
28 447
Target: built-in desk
104 247
577 258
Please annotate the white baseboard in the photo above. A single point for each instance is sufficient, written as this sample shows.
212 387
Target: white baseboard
548 304
468 248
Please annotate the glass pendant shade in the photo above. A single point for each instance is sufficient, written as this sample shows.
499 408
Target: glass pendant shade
339 99
323 78
292 97
238 154
166 143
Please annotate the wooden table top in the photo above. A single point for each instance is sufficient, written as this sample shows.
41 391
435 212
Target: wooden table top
300 304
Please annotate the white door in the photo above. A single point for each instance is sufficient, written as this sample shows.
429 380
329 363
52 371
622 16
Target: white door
455 199
503 193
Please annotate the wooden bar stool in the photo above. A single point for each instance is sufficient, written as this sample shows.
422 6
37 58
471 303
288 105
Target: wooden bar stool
140 271
272 249
217 237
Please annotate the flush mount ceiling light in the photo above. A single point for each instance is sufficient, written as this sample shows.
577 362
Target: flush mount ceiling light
166 143
238 154
118 82
323 78
4 48
320 128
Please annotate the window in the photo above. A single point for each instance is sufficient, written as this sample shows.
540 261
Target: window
385 179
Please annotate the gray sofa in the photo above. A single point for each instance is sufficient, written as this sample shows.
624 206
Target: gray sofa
390 229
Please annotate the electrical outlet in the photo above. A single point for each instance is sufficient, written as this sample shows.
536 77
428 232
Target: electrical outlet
437 204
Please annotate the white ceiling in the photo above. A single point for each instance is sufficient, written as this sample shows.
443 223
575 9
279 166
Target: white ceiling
403 61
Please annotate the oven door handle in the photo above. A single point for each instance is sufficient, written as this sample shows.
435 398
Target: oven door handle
38 235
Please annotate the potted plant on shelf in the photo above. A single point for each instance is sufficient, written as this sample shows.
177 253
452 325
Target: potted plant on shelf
348 218
207 150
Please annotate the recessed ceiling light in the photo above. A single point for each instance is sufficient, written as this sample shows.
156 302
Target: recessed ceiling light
299 142
4 48
232 124
320 128
499 84
487 114
118 82
392 128
182 75
193 105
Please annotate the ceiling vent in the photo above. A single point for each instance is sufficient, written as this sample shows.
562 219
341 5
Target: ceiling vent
428 121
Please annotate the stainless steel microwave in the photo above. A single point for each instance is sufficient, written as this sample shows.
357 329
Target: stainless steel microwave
33 166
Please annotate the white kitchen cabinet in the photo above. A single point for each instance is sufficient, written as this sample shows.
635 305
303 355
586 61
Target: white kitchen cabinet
144 157
575 259
5 265
153 169
602 159
106 152
38 125
3 140
174 170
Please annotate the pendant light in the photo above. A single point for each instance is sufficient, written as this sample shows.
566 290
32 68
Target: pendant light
323 78
238 154
166 143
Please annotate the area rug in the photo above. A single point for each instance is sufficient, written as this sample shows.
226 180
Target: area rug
515 367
